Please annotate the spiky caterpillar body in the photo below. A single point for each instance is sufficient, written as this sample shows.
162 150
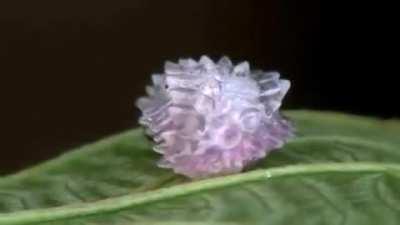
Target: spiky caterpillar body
211 119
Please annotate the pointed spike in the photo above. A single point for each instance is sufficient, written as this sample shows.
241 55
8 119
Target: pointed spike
150 90
159 149
157 79
142 103
269 88
172 68
225 62
285 85
163 163
270 92
207 62
268 76
242 69
144 121
225 67
189 62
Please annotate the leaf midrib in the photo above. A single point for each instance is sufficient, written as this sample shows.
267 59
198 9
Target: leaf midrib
136 199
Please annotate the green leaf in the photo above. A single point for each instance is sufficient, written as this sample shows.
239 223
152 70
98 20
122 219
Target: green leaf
340 169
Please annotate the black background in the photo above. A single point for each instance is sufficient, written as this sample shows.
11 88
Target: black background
71 70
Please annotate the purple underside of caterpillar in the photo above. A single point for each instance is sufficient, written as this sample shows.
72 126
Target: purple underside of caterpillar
210 119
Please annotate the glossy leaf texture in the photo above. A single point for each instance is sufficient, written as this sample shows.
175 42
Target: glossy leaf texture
340 169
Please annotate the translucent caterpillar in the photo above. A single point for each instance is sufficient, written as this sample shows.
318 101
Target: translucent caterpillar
214 118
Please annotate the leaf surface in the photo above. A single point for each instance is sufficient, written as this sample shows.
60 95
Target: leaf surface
340 169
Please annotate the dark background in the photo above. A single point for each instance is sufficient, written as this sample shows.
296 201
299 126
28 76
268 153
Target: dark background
71 70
